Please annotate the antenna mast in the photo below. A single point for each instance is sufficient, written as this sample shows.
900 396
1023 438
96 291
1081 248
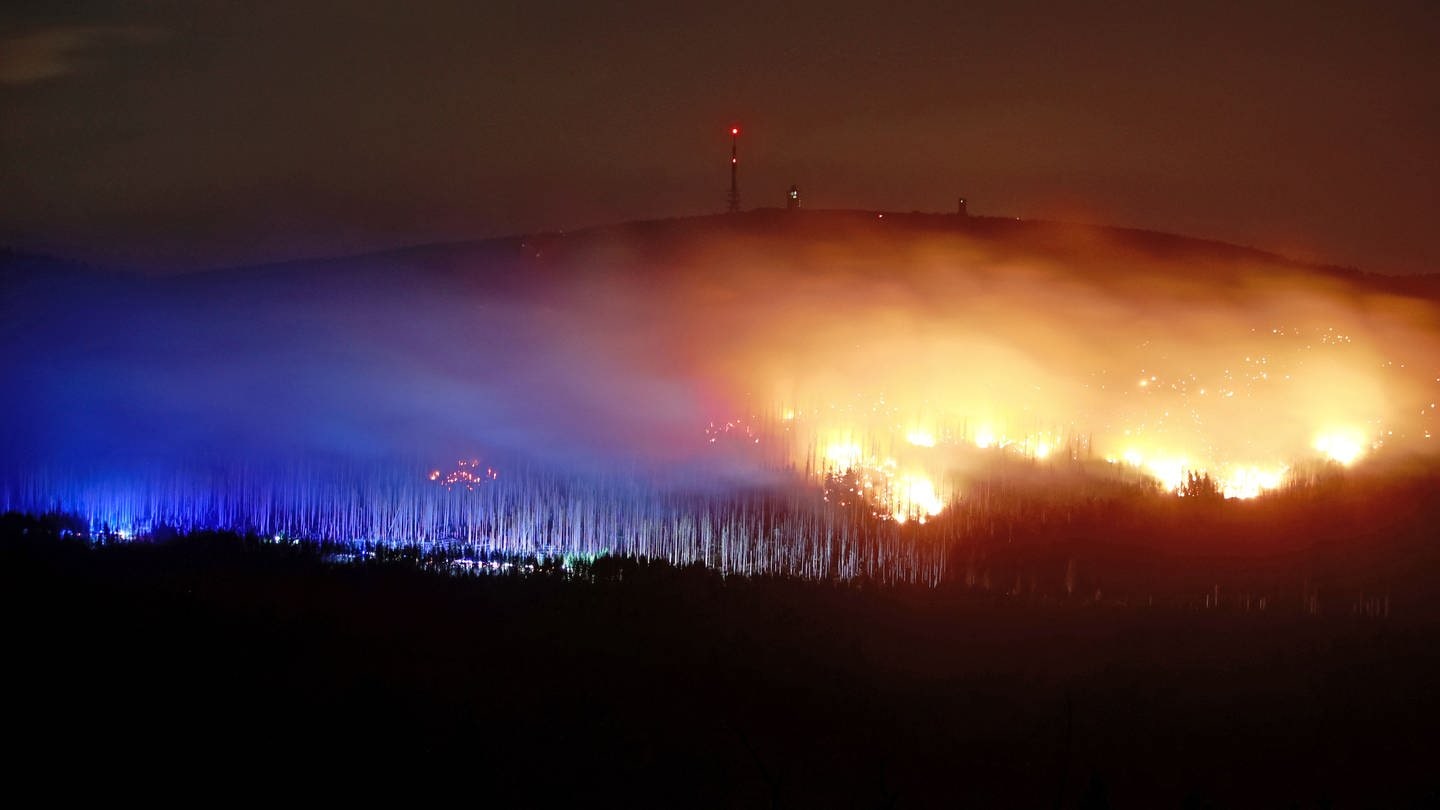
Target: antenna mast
734 199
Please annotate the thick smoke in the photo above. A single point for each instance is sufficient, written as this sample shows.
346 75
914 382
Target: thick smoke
724 350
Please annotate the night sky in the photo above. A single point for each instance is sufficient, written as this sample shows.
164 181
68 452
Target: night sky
198 133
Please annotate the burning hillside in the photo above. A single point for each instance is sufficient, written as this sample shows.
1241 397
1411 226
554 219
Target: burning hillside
762 383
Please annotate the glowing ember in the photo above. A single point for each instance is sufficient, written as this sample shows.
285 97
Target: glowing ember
468 474
915 497
1170 472
891 491
1251 482
1342 446
920 438
842 456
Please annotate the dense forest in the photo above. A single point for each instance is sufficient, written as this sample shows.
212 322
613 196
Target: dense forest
216 659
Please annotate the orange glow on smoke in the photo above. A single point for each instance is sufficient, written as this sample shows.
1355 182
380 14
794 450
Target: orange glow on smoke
915 363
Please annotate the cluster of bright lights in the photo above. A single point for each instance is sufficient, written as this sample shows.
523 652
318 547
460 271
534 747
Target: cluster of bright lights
1252 482
892 493
1174 473
737 429
1241 480
467 473
1240 420
898 479
897 475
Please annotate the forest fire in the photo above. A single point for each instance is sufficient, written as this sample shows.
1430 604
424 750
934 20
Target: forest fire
821 404
1244 376
873 396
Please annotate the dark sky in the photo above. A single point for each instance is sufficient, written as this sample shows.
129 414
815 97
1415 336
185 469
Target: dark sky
200 132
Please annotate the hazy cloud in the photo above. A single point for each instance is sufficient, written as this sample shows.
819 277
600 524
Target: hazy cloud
616 350
50 53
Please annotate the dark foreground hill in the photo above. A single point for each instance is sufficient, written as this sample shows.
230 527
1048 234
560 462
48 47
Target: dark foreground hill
214 666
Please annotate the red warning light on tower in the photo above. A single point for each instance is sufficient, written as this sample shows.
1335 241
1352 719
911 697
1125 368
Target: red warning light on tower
734 199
